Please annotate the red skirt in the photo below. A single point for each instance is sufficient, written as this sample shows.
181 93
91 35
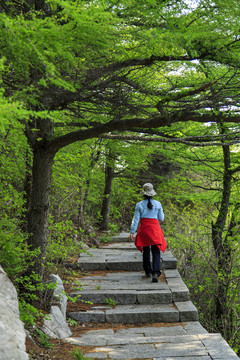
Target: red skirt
150 233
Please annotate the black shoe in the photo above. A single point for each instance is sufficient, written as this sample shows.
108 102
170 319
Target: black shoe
148 274
155 278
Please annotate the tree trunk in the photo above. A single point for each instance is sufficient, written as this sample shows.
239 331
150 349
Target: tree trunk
220 247
40 204
81 214
106 204
27 189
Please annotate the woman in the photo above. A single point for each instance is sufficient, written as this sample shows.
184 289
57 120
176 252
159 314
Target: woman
149 236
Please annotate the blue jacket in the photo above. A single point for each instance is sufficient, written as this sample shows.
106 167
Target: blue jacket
142 211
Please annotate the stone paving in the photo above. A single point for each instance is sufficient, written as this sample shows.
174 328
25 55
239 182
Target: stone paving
133 299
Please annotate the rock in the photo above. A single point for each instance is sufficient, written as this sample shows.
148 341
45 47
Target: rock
55 325
12 334
58 297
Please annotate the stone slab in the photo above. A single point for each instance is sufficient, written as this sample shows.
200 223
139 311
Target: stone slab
124 236
148 351
134 285
140 314
140 339
217 347
180 294
194 327
161 330
184 358
172 273
141 286
131 344
187 311
130 314
154 297
124 297
120 297
118 259
88 316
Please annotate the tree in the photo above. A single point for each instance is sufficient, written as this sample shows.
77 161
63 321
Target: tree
60 65
208 186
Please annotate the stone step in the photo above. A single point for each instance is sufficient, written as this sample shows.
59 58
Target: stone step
156 343
132 288
171 330
137 314
122 237
118 259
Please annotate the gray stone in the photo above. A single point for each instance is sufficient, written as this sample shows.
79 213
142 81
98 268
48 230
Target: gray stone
98 355
122 237
217 347
92 337
129 314
154 297
88 316
126 352
88 341
55 325
59 297
121 246
154 339
192 357
101 296
12 334
140 314
168 330
8 292
116 259
187 311
175 282
180 294
171 273
194 327
193 348
133 343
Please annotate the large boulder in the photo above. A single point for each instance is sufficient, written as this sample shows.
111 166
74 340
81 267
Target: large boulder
12 333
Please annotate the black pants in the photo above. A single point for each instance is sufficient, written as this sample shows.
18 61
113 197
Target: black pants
155 268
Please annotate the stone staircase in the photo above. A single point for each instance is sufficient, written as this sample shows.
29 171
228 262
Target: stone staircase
164 322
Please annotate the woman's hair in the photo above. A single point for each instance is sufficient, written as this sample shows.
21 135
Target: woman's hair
149 205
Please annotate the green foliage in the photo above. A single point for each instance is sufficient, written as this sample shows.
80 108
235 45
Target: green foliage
78 354
14 253
110 302
72 322
62 243
43 339
188 234
28 313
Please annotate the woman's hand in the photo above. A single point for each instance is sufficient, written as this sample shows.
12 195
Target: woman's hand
131 237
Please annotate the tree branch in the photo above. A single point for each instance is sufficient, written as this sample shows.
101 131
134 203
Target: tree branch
128 124
185 141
